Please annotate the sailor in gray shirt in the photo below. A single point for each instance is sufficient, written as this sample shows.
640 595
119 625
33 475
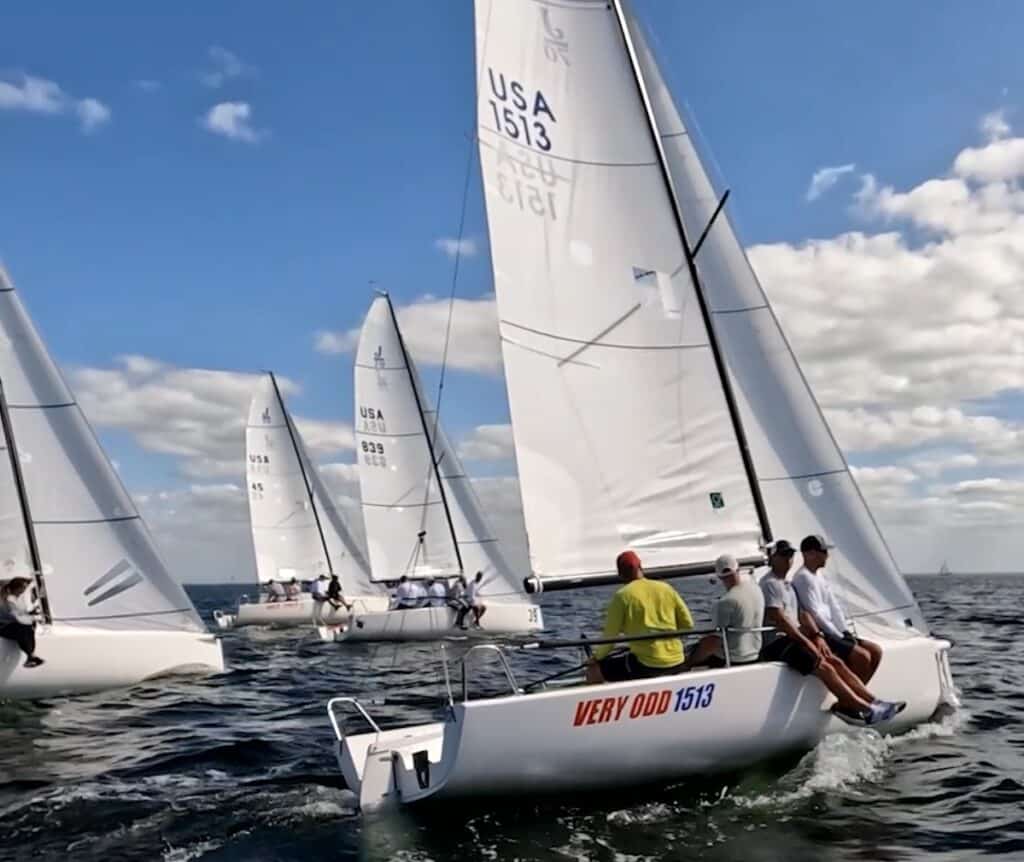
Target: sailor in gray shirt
742 607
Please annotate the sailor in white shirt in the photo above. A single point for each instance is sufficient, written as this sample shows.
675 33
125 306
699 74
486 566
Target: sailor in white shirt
437 593
405 595
318 590
823 617
473 601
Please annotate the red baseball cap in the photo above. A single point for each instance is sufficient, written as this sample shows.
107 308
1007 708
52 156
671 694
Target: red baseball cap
627 562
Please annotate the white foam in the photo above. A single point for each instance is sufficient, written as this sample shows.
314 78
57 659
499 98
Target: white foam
192 851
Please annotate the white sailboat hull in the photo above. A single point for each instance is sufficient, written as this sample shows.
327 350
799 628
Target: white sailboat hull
299 612
81 660
427 624
646 731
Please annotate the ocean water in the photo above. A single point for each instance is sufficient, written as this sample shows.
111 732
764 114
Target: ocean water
241 766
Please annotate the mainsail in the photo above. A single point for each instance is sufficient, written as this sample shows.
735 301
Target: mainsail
100 566
623 434
421 521
803 476
297 530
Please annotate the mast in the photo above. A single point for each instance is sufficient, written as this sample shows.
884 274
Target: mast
691 265
302 469
26 514
426 431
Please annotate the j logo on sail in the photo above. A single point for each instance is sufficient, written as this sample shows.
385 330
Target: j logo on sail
122 575
266 416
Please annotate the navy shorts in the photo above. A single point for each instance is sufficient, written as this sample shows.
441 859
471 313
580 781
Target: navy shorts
841 647
622 666
794 654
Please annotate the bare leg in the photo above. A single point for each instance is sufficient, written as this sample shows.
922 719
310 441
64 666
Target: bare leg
593 674
848 700
851 679
860 663
705 648
874 652
478 612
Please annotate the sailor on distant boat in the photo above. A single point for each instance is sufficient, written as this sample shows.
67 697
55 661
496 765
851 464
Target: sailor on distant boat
742 609
318 590
473 601
437 593
405 596
640 607
334 595
293 590
275 591
823 618
855 704
17 618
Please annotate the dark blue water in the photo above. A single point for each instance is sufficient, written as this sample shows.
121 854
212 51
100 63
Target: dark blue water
241 766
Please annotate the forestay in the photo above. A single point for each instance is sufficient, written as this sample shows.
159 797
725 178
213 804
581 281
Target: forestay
100 566
287 538
377 399
804 479
622 433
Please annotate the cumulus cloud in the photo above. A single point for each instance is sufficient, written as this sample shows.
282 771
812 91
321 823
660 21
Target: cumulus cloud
474 334
223 66
488 443
147 85
825 178
465 247
40 96
195 415
232 120
994 125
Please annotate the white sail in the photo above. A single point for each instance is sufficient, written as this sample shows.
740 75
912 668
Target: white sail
804 479
394 418
287 539
622 433
100 566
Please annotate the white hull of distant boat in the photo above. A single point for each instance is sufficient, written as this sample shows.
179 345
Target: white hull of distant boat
294 612
429 624
81 660
630 733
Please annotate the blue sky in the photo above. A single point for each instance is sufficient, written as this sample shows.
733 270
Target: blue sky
151 235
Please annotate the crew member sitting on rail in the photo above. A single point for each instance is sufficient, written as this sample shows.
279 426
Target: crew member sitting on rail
275 591
854 703
738 611
473 602
334 595
640 607
823 618
17 618
405 595
318 590
292 589
437 593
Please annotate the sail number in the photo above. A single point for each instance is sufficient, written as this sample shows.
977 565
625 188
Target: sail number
373 453
518 115
372 420
643 704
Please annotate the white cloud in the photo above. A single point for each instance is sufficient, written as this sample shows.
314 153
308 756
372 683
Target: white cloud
92 114
232 120
474 334
223 67
994 125
40 96
147 85
826 178
194 415
488 443
465 247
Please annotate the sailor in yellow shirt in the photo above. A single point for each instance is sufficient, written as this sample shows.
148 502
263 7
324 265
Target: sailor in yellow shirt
640 607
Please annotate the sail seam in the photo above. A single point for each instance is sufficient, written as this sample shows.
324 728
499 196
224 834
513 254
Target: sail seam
380 367
613 345
402 505
383 434
88 520
42 406
801 476
125 616
740 310
564 159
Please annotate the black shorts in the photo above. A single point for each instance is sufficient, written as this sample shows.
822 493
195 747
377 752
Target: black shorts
794 654
623 666
841 647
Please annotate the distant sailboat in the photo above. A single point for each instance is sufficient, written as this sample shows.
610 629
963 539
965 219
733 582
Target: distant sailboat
297 530
656 405
112 615
944 569
422 517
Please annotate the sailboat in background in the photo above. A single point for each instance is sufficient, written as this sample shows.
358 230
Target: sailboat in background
422 516
944 570
655 405
112 614
297 530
